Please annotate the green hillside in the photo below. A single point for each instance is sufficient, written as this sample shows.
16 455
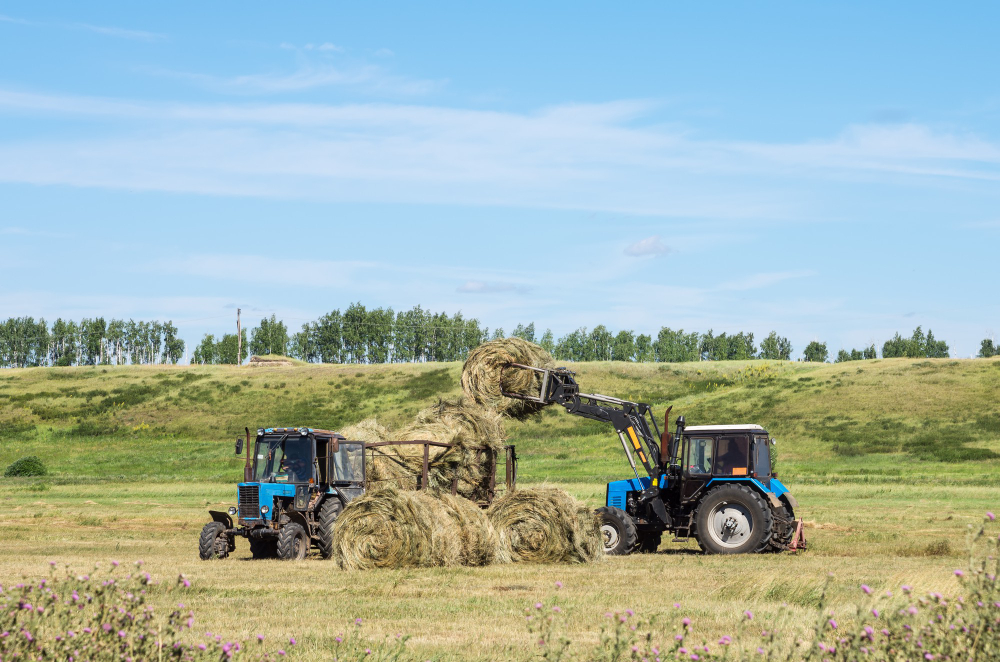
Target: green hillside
881 421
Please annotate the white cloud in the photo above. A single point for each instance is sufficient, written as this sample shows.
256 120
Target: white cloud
757 281
486 287
260 269
649 246
575 156
122 33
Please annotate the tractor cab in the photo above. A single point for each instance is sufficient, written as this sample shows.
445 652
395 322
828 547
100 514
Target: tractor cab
715 453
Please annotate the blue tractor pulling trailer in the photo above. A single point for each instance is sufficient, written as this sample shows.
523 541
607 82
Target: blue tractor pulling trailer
296 481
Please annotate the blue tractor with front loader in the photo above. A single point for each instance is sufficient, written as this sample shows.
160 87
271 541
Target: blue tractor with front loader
712 483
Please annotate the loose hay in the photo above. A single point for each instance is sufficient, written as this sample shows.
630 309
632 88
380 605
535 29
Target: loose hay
481 375
394 529
477 437
546 525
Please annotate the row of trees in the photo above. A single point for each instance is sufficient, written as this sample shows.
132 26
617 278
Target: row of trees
25 342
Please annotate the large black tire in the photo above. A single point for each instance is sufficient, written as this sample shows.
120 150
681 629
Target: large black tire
733 519
213 542
293 543
263 548
649 542
328 513
784 528
619 532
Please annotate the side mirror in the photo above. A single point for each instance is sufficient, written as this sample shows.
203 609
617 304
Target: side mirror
773 441
239 445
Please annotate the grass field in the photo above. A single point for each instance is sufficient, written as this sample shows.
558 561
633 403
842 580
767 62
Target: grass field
891 461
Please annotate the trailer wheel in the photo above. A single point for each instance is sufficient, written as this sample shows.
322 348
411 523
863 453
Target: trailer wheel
293 543
618 530
328 513
733 519
263 548
214 543
649 543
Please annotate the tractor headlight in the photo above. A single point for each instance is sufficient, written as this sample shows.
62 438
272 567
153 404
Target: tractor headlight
232 510
264 509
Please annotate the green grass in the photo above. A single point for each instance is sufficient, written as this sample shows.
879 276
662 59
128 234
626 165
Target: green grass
891 461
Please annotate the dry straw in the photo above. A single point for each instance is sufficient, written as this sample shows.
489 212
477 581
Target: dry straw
393 529
546 525
477 441
481 375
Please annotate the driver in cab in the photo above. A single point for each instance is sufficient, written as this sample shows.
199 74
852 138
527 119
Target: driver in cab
296 466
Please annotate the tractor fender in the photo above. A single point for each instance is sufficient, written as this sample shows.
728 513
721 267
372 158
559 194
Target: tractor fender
300 519
222 518
791 500
775 501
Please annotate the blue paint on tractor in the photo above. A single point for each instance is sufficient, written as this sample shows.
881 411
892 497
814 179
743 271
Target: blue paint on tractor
776 488
265 496
618 490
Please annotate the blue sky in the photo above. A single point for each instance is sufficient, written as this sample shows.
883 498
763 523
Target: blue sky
828 171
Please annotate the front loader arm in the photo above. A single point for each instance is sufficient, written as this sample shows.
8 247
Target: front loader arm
631 421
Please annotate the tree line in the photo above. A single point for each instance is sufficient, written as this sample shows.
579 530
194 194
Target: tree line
382 335
26 343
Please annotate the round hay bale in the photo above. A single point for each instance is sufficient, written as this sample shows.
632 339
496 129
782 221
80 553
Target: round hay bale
479 542
481 375
393 529
546 525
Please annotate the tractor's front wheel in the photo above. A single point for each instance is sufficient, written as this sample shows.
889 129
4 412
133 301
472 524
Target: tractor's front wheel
733 519
214 543
293 543
328 513
618 530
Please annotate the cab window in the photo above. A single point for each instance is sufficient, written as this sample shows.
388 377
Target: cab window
699 457
732 456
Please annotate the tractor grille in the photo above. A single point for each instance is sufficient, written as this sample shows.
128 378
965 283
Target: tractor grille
249 502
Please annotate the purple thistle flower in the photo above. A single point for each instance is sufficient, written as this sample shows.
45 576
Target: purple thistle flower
686 621
866 588
833 623
630 612
281 651
106 627
559 584
121 633
959 573
291 641
538 605
260 637
990 516
202 646
357 621
556 609
748 614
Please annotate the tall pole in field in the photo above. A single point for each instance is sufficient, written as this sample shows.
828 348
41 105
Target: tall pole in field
239 339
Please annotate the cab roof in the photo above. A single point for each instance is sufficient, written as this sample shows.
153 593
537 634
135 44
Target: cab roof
724 428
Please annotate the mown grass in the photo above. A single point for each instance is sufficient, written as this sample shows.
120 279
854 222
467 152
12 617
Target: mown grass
891 462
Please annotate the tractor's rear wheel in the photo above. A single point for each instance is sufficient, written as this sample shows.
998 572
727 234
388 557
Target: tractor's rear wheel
619 532
263 548
733 519
649 542
293 543
328 513
213 542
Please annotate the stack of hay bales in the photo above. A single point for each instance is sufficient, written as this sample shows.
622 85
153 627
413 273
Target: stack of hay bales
395 526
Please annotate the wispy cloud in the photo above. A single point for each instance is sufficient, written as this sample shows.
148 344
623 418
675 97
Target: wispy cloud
107 30
121 33
649 246
757 281
574 156
260 269
487 287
